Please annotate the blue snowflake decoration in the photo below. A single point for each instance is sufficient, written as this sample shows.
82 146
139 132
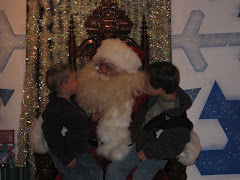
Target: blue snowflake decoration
227 160
5 95
191 42
8 40
192 93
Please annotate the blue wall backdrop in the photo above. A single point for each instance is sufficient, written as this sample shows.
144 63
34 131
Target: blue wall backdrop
206 48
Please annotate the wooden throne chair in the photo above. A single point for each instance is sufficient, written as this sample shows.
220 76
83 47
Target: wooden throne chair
109 21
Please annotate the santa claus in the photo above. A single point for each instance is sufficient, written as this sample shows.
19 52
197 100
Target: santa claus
109 84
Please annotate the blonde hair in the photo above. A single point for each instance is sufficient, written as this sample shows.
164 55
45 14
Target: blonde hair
56 75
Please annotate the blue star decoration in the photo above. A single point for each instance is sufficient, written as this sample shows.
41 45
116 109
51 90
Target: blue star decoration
192 93
191 42
9 40
5 95
227 160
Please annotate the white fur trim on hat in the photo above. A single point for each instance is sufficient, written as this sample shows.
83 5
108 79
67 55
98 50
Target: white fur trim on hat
118 53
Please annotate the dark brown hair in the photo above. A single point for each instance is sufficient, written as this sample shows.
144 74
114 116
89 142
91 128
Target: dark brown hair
163 75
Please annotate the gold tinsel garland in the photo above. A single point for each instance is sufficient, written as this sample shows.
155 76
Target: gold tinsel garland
47 44
30 93
160 31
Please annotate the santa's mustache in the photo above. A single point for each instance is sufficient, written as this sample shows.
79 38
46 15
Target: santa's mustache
97 90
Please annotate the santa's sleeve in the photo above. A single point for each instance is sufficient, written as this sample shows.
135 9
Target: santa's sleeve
140 100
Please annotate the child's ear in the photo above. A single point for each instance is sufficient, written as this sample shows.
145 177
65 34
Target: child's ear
63 85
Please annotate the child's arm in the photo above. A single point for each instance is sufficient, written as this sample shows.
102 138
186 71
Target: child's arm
170 143
165 121
55 135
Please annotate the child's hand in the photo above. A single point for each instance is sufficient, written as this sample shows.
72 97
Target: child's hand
141 155
72 163
96 116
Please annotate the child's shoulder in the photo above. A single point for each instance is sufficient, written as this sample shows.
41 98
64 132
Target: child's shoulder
55 107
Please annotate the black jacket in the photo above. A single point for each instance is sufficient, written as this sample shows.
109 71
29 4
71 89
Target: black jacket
65 128
174 123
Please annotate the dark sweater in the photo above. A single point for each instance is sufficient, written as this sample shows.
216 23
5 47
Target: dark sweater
65 129
174 123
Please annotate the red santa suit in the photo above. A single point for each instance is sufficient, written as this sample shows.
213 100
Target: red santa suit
113 96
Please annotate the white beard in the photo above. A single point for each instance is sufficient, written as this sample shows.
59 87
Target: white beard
114 97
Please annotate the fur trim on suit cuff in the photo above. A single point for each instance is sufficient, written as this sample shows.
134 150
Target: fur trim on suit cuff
36 139
191 151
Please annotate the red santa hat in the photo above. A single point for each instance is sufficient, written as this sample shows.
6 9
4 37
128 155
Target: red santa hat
120 54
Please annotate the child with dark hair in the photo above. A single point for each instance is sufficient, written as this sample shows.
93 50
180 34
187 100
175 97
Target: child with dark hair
163 75
65 126
161 128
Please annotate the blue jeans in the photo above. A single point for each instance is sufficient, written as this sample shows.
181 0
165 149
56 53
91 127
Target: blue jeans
85 169
119 170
